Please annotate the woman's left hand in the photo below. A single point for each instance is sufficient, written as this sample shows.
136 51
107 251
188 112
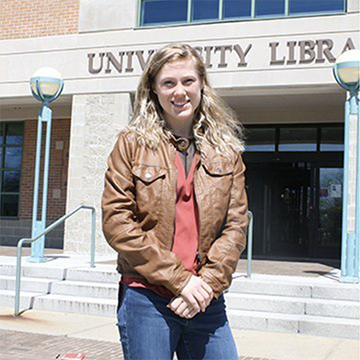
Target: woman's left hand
181 308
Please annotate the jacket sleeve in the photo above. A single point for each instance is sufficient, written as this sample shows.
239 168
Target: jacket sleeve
224 253
137 247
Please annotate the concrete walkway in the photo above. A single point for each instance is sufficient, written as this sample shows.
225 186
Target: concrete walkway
46 335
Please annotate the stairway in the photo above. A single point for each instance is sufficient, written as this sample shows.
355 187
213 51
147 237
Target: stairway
304 305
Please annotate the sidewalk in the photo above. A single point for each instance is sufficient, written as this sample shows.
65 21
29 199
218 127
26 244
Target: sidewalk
45 335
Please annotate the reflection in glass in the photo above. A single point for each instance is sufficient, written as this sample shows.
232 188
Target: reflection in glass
298 139
11 181
13 157
14 133
205 9
332 139
164 11
270 7
9 205
237 9
314 6
261 139
330 206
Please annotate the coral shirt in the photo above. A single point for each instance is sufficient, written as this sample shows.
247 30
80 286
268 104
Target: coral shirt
185 242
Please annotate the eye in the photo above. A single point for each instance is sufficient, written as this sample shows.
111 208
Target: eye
189 81
168 83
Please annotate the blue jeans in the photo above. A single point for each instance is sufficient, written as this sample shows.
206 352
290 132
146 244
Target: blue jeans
151 331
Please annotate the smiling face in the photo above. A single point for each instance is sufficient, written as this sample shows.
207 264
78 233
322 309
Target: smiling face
178 88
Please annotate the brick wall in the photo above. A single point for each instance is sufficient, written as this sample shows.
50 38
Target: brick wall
36 18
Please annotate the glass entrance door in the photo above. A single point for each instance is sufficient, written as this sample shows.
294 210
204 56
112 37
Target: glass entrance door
329 212
297 209
281 198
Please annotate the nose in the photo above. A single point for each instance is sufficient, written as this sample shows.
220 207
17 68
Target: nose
179 90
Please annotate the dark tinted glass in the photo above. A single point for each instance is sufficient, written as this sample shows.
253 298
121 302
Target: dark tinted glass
9 205
205 9
237 8
11 181
269 7
14 134
1 135
313 6
298 139
164 11
332 139
12 157
260 140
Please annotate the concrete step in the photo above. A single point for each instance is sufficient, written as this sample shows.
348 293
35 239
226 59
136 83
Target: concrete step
34 270
300 324
100 275
293 305
86 289
76 304
27 284
288 287
27 298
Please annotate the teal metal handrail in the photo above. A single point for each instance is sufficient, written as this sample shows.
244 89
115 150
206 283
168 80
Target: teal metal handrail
47 230
250 243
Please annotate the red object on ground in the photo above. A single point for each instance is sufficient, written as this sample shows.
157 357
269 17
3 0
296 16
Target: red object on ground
68 356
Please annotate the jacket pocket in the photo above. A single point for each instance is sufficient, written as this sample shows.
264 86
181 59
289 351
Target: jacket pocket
219 179
149 184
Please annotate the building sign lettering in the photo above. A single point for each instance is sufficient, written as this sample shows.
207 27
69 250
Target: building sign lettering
294 52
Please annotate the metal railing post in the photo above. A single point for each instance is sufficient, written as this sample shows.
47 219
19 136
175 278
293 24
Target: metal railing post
44 232
250 243
93 227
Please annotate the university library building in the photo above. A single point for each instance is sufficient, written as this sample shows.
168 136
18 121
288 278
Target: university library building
270 60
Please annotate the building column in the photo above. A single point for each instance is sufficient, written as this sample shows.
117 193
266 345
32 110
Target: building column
96 121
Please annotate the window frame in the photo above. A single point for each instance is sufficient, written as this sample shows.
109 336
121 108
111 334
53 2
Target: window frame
3 146
277 127
221 18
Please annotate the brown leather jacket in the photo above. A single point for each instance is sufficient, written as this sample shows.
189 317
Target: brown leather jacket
138 207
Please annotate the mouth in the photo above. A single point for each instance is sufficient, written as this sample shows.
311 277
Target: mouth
180 104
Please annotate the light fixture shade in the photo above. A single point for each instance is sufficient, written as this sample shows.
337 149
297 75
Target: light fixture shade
347 69
48 81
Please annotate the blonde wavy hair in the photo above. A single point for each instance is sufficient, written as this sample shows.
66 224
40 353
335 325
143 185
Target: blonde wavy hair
214 121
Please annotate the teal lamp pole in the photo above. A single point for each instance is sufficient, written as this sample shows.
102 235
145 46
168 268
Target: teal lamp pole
46 86
346 72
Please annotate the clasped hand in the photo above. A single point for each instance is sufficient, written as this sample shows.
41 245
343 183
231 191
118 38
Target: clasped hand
195 297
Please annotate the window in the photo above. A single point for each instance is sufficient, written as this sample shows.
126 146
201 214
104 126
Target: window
332 139
163 11
315 6
269 7
157 12
237 9
205 9
11 140
261 139
310 138
298 139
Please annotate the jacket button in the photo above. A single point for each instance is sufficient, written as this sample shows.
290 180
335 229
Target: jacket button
148 175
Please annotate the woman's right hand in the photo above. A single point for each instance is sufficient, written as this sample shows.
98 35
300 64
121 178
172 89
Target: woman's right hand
197 294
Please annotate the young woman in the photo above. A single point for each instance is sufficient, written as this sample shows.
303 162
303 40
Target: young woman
175 210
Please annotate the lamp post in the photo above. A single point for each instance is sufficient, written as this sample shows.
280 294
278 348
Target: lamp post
346 72
46 86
